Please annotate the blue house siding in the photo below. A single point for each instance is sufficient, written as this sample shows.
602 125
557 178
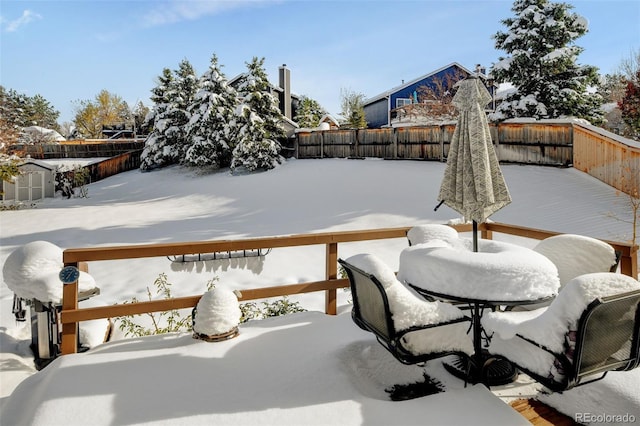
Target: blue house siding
377 109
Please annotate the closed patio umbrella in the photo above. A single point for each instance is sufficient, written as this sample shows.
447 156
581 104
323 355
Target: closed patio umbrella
473 184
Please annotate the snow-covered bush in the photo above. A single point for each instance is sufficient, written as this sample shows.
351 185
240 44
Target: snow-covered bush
68 179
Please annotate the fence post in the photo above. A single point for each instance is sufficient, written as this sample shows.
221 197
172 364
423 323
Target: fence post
443 132
395 143
330 304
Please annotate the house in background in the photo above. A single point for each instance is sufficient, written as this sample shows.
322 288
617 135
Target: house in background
379 110
35 182
287 101
119 131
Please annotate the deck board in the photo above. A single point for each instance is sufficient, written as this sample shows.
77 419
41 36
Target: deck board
540 414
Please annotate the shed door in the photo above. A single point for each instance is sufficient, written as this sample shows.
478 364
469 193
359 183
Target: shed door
30 186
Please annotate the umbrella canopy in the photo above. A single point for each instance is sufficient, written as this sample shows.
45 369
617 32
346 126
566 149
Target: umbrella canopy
473 184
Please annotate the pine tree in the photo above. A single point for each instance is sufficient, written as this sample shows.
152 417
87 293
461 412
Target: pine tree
254 151
41 113
181 93
11 117
211 131
542 64
309 113
630 106
156 146
172 98
18 110
260 122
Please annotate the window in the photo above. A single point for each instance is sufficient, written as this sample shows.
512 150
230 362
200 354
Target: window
400 102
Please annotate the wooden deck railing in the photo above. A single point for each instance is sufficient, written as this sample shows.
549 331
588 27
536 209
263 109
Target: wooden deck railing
71 315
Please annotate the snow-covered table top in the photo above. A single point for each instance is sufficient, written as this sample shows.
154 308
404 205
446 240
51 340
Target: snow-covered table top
498 272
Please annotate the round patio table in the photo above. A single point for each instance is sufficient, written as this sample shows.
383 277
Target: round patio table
481 367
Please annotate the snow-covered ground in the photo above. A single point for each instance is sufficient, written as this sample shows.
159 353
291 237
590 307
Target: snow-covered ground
300 196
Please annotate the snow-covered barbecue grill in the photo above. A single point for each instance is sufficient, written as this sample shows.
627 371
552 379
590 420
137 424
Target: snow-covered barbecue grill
35 273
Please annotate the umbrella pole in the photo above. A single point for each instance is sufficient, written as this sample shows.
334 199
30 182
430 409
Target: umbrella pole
475 235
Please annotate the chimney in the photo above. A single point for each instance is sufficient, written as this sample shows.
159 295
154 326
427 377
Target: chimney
285 95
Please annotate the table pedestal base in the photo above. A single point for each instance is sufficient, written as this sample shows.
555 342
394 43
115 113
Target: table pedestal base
494 371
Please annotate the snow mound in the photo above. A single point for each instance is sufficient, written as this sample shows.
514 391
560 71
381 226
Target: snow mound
218 312
31 272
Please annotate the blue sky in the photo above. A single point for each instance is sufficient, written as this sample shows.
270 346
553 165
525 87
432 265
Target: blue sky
70 50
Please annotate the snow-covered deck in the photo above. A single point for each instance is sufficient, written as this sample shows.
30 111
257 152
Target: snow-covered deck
307 368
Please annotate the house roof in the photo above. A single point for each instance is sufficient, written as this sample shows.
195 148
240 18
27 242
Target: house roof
415 80
43 131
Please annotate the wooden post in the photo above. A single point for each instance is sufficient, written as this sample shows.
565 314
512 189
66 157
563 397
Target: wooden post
629 264
330 304
442 134
69 343
394 132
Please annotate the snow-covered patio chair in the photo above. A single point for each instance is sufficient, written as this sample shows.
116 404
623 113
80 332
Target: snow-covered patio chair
575 255
412 329
591 328
433 232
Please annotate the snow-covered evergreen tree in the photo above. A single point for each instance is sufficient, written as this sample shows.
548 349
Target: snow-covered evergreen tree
182 93
309 113
260 122
156 152
542 64
254 150
212 128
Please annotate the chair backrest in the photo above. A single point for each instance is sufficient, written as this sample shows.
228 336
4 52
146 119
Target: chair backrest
424 233
576 255
370 303
413 333
608 337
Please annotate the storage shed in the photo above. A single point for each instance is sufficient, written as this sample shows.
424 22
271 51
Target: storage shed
35 182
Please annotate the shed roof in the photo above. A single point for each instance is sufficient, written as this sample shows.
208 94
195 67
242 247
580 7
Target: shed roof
328 118
37 163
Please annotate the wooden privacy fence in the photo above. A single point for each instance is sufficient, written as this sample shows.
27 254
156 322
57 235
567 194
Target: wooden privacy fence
524 143
90 148
114 165
613 160
604 155
71 315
